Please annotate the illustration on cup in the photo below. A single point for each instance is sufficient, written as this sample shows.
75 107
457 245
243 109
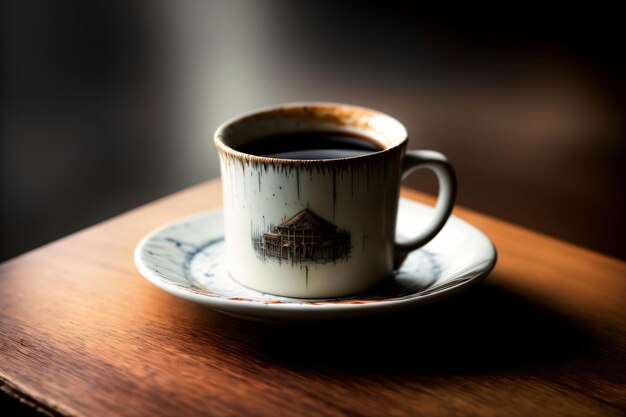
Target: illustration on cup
304 237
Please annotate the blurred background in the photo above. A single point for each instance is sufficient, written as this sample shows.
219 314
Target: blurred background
109 105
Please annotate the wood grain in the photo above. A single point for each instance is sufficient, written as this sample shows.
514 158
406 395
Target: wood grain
83 334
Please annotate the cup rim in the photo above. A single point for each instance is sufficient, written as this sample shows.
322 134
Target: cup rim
220 134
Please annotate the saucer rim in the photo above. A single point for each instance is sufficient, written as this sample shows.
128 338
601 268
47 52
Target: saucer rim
248 308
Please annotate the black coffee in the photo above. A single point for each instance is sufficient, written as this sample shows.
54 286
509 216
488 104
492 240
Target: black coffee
311 145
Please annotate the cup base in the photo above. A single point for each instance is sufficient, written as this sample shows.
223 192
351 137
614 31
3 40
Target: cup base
312 294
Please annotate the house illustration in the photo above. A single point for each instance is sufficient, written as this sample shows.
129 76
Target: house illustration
304 237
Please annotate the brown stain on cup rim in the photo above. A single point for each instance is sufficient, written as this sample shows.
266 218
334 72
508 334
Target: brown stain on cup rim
330 113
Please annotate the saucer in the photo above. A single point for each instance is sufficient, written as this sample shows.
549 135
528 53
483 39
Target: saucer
185 259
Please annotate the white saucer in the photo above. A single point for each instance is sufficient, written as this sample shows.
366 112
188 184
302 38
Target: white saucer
185 257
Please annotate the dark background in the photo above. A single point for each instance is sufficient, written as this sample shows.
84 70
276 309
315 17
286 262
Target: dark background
109 105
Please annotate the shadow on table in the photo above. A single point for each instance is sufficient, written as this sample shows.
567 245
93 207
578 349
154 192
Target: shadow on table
485 328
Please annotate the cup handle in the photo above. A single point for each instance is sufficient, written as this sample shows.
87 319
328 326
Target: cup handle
445 201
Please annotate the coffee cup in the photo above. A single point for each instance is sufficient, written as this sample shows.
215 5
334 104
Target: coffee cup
311 194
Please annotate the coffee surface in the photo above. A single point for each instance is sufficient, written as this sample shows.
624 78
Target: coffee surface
311 145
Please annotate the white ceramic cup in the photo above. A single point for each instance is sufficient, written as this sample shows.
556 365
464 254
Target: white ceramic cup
320 228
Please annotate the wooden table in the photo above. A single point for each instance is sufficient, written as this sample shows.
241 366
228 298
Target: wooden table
83 334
